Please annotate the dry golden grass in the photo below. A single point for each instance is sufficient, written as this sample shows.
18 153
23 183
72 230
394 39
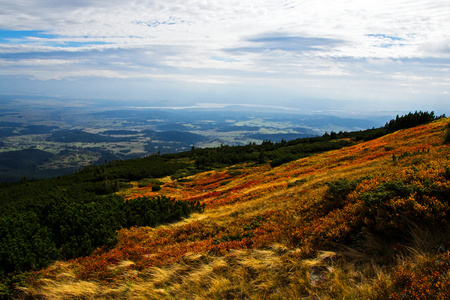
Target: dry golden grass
242 274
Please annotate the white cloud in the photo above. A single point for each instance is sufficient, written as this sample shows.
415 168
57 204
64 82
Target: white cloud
39 62
365 43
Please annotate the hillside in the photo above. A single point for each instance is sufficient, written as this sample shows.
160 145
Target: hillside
370 220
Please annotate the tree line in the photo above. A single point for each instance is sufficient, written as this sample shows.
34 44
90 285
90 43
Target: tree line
285 151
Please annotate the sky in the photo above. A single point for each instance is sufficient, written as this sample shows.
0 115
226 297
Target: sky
318 54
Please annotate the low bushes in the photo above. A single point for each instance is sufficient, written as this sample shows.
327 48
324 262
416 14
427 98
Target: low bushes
68 228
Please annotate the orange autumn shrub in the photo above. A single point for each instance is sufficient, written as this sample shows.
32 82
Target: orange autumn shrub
427 280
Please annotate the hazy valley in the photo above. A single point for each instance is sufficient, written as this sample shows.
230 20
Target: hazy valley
41 138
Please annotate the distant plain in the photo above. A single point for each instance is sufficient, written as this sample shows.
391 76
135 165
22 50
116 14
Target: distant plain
67 135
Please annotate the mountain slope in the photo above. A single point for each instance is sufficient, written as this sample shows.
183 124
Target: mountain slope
370 220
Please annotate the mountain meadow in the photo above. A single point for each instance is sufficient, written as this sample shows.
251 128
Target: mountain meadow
347 215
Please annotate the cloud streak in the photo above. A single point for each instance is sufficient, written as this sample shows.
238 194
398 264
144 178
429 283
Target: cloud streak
282 42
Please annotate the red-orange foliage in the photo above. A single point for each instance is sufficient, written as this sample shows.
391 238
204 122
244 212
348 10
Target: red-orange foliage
428 280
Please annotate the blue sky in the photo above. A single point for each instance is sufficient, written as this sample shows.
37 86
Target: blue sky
370 55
